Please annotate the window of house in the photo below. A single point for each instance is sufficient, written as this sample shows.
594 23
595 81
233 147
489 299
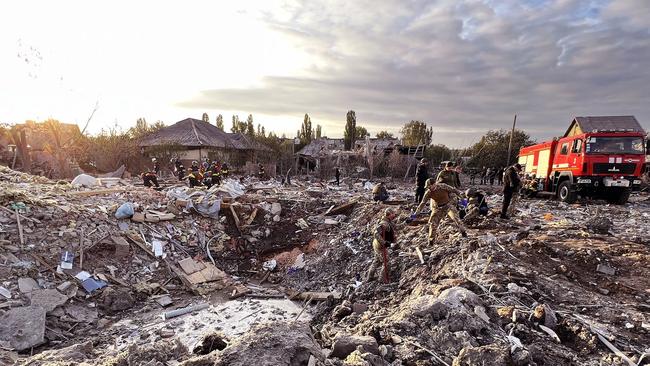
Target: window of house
565 149
577 146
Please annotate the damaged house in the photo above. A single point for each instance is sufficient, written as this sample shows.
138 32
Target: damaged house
326 153
41 148
192 139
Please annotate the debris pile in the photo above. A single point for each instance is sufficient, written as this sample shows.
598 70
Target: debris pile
252 270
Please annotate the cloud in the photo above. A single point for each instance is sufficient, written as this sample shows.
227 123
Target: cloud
463 66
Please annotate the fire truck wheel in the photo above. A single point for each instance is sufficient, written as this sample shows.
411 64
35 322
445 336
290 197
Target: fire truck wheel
565 194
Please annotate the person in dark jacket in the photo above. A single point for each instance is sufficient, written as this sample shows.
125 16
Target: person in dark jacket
421 176
337 175
511 186
500 172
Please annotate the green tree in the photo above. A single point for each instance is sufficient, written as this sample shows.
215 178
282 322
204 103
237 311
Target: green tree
235 124
250 127
220 122
361 132
437 153
239 126
306 132
319 131
384 135
416 133
349 135
492 149
205 117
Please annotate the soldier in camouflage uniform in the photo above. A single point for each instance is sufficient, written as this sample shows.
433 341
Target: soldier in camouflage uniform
449 176
439 195
383 235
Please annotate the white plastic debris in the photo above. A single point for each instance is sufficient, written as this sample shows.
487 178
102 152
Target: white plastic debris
270 265
84 180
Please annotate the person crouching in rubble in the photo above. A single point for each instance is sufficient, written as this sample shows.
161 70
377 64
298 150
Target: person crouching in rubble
384 234
379 193
530 187
193 178
511 185
440 197
150 179
477 204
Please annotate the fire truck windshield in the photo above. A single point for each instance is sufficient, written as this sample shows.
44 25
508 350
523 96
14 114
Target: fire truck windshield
614 145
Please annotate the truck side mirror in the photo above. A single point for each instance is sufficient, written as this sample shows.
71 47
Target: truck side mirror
647 147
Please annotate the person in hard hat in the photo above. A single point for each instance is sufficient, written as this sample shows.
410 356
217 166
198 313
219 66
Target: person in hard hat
439 195
193 178
156 166
384 234
179 168
421 176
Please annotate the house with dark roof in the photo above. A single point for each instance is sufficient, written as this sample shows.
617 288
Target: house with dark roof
194 139
581 125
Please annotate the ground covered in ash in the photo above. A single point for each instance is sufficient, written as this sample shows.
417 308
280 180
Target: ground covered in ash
277 278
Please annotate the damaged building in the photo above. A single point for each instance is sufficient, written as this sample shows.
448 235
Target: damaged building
326 153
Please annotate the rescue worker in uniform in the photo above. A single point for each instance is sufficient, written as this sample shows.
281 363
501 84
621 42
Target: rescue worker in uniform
179 168
529 186
477 204
384 234
195 166
421 176
150 179
440 197
192 178
449 176
511 186
379 193
156 166
224 170
260 171
337 175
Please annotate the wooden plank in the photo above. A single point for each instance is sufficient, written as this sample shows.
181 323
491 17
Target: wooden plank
341 208
177 271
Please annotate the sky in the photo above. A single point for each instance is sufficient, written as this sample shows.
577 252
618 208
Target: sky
461 66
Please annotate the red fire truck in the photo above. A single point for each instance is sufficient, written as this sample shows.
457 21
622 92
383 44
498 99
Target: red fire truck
597 157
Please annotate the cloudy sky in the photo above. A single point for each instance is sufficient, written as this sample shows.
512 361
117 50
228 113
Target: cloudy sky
462 66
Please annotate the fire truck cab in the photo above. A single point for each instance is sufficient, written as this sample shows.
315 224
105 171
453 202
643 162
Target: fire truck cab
597 157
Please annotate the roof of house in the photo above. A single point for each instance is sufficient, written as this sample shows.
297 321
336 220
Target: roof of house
192 132
589 124
188 132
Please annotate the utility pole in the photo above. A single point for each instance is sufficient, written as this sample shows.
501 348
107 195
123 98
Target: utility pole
510 143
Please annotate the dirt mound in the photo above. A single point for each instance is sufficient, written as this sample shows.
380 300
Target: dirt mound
266 345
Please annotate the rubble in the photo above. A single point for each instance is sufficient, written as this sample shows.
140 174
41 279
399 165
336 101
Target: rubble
274 273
